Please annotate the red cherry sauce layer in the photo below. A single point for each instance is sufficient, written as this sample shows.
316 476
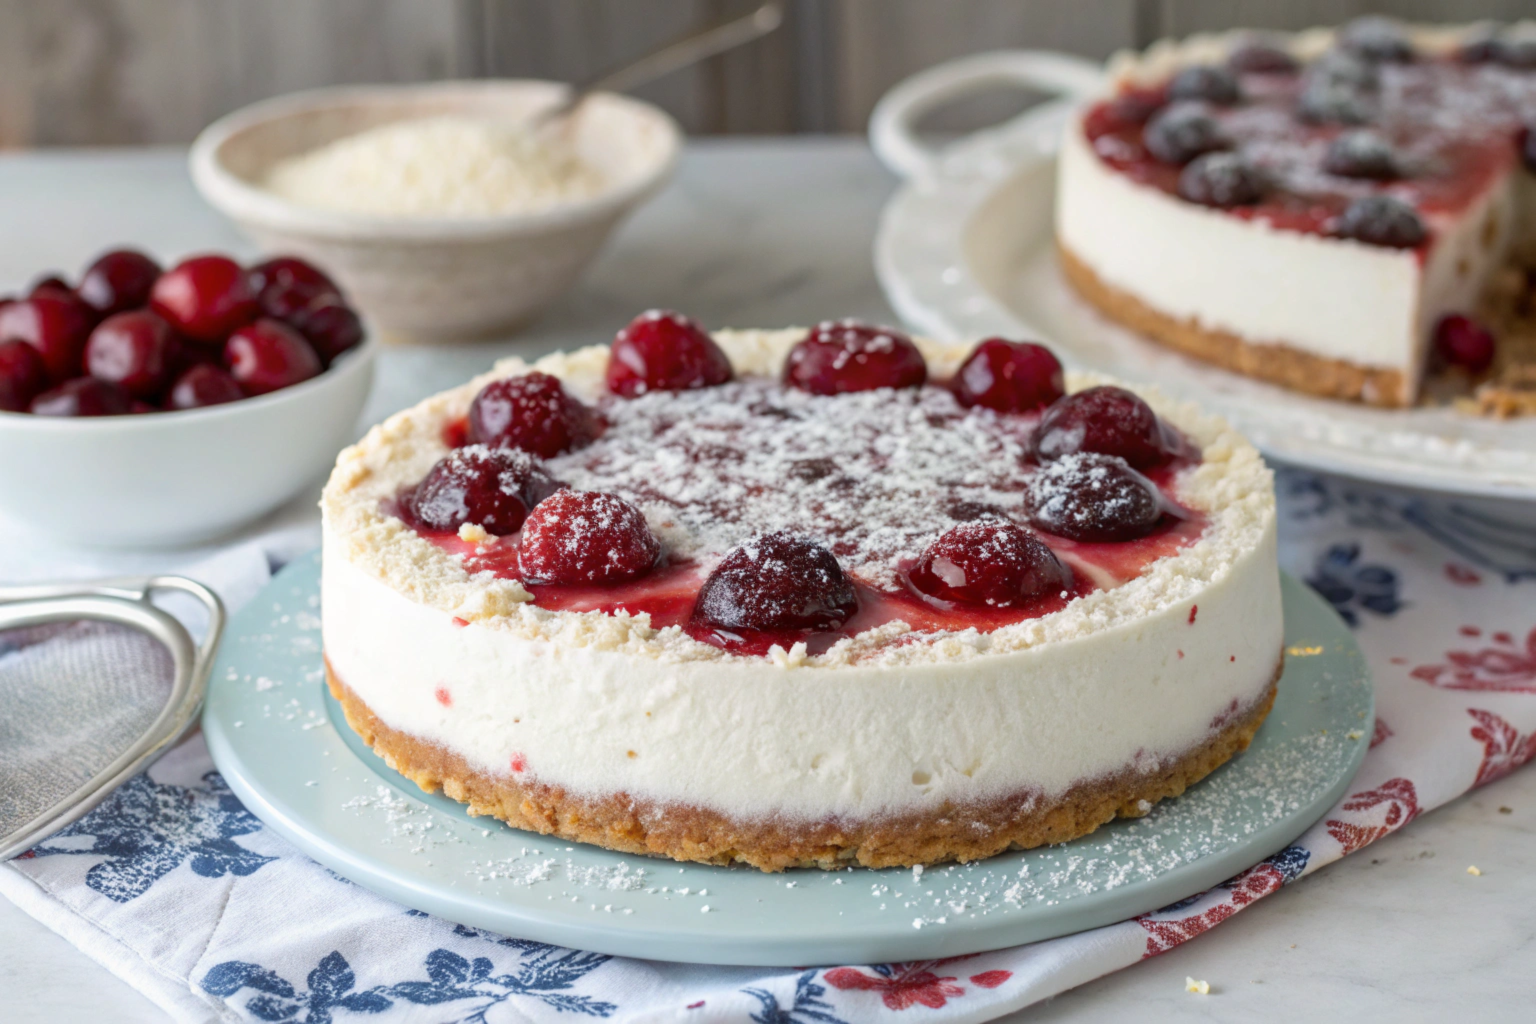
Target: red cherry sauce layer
1455 128
875 476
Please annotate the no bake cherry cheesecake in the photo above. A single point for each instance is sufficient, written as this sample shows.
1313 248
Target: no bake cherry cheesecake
802 598
1308 209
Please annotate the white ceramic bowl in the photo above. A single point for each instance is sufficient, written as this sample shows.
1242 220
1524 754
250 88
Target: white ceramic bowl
176 478
444 277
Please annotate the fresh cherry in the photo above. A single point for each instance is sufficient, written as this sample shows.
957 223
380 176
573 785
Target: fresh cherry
268 355
204 385
586 537
1222 180
1091 497
1377 38
1009 376
118 281
991 562
531 412
1183 131
1206 82
83 396
330 326
1261 59
1362 153
778 581
23 375
1106 420
489 487
132 350
51 284
205 298
1381 220
839 356
56 325
286 286
1462 341
664 351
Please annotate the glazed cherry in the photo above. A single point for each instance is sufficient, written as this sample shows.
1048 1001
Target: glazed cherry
330 326
991 562
118 281
203 385
132 350
268 355
54 324
1377 38
1106 420
489 487
1381 220
1094 498
777 582
1362 153
1462 341
586 537
1182 132
83 396
840 356
1009 376
1261 59
531 412
664 351
23 375
1205 82
1222 180
205 298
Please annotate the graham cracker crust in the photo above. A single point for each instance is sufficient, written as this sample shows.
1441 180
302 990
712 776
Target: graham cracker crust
953 833
1273 362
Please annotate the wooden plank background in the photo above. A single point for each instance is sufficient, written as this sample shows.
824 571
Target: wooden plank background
96 72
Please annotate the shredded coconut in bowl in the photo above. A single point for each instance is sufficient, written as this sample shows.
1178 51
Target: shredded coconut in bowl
437 167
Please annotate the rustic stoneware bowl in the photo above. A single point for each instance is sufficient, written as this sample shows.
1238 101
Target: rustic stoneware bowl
436 278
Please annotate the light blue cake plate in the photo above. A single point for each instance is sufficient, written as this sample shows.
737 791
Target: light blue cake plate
285 749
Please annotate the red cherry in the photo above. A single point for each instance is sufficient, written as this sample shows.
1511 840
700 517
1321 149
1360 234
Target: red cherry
204 385
55 325
329 325
779 582
83 396
586 537
490 487
1462 341
531 412
1091 497
845 355
1107 420
1009 376
992 562
51 284
267 355
286 285
119 280
664 351
132 350
205 298
23 375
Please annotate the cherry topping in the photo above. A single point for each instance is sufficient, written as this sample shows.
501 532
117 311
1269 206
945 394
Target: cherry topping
1362 153
204 385
54 324
1223 180
1181 132
1516 51
205 298
1462 341
23 375
531 412
329 325
990 562
118 281
1091 497
839 356
1009 376
586 537
132 350
664 351
1107 420
778 581
1205 82
83 396
1261 59
1377 38
1325 101
1381 220
489 487
268 355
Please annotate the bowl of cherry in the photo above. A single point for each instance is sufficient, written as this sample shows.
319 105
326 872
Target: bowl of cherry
162 407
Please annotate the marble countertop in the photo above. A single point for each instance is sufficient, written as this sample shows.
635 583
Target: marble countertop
774 232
